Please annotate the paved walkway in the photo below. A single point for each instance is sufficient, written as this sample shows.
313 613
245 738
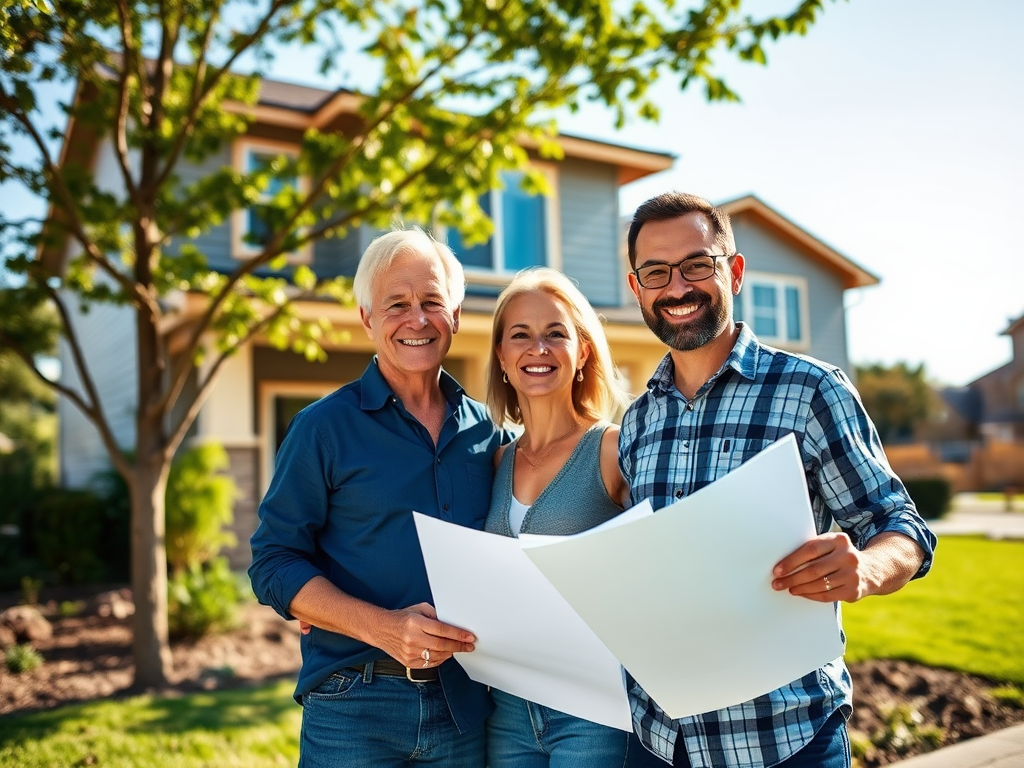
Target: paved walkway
1001 749
1005 748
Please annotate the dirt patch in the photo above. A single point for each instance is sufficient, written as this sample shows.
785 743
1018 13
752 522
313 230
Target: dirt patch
89 657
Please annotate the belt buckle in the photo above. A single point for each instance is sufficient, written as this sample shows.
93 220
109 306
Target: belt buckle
411 679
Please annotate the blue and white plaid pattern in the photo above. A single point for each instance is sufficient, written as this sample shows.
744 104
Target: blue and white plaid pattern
670 447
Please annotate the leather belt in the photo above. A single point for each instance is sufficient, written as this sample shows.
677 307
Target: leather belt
391 668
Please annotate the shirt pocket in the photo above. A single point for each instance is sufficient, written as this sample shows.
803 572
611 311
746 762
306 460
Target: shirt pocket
722 455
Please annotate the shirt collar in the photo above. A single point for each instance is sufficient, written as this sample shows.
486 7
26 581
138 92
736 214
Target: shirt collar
743 359
376 391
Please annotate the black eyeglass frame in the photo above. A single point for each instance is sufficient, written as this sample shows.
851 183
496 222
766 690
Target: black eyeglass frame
679 265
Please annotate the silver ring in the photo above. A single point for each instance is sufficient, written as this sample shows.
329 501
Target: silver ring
425 656
828 587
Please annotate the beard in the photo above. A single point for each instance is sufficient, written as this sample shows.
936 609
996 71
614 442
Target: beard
710 320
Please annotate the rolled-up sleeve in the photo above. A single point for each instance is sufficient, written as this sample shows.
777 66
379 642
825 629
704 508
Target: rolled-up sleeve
292 513
851 475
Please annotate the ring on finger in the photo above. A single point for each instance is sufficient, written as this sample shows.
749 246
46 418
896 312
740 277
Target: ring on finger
828 587
425 656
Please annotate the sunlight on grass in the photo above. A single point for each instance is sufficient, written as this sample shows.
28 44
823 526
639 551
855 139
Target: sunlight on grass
248 728
967 614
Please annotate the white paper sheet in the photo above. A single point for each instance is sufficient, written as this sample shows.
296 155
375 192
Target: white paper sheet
683 598
529 641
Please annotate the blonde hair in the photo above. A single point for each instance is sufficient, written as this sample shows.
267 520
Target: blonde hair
383 251
600 394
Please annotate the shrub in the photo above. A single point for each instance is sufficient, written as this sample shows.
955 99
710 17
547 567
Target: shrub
932 495
202 599
22 658
199 505
67 527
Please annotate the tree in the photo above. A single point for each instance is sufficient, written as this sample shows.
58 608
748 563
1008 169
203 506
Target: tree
897 398
460 87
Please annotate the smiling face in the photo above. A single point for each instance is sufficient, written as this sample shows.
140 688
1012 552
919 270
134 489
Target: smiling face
540 349
411 320
686 315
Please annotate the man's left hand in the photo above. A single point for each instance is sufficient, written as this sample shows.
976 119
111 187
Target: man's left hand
825 569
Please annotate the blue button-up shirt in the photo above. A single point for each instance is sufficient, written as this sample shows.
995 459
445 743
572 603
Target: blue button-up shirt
670 447
351 470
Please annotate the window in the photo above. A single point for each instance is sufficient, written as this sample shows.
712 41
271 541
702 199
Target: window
250 227
524 231
775 307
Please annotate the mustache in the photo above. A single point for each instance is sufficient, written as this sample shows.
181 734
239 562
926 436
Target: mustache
694 298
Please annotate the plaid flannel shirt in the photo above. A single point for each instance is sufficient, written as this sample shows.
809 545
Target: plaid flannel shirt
670 447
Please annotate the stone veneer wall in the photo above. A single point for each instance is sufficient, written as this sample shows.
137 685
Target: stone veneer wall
244 469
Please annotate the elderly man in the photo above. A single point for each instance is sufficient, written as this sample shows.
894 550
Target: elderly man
717 399
337 548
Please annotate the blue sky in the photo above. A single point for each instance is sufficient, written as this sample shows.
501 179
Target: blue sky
894 132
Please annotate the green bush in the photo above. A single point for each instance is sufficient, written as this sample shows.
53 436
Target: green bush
932 495
202 599
200 504
22 658
67 527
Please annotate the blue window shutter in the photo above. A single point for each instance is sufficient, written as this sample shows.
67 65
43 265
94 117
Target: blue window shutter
524 226
480 256
765 314
793 331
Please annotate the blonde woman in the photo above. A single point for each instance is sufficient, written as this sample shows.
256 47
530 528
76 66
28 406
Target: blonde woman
551 372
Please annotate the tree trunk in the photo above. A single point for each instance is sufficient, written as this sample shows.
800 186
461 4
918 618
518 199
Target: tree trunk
150 644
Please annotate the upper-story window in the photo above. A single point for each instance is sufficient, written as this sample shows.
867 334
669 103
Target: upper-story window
775 308
525 230
250 231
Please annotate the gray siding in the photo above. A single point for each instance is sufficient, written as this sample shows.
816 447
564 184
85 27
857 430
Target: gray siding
589 208
215 243
107 335
331 257
766 252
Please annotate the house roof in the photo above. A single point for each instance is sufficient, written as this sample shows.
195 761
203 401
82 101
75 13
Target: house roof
853 275
289 105
965 401
1015 326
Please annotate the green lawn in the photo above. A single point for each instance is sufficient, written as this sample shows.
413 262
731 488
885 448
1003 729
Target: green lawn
247 728
967 614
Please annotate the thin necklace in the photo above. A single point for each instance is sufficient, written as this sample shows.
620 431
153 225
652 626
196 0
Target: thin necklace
551 446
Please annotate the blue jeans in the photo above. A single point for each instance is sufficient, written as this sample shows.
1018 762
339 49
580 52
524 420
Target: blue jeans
361 720
830 748
521 734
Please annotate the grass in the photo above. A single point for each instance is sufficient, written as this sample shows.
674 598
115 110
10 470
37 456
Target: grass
243 727
966 615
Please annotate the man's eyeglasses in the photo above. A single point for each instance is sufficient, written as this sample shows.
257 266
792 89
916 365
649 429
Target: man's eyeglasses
693 270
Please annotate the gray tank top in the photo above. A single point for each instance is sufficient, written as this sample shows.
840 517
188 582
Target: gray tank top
574 500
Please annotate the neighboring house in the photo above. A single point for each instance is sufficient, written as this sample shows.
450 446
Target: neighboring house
793 295
977 439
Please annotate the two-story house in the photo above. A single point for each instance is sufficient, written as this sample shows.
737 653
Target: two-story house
793 295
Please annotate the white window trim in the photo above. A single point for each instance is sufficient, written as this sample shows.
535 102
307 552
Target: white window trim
241 151
780 283
552 232
268 390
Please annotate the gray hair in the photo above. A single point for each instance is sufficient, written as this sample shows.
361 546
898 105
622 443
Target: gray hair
383 251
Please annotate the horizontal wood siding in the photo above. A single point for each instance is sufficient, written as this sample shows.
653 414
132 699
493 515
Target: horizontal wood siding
107 335
214 243
589 207
765 251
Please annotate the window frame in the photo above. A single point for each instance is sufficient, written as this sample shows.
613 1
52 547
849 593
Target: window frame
242 150
498 275
779 283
